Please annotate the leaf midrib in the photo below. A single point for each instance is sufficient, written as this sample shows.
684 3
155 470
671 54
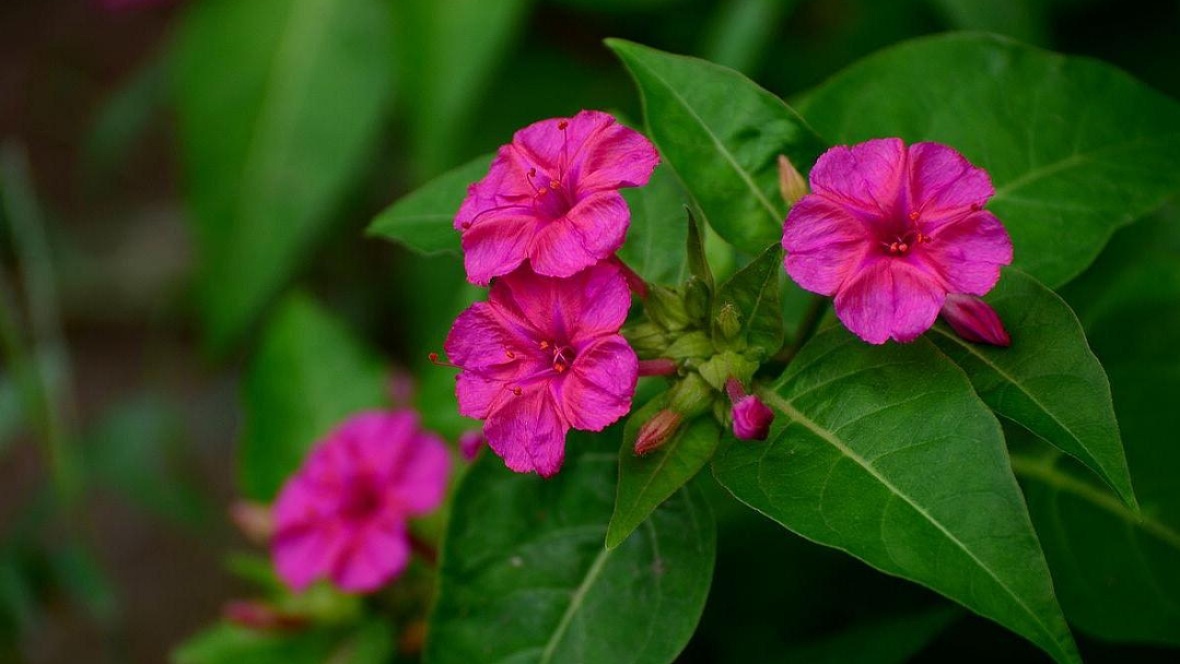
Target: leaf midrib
1072 161
786 407
576 601
774 215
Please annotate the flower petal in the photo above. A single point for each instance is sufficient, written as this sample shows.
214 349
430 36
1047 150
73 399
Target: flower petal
420 479
943 184
496 245
823 244
592 230
610 155
890 299
601 382
968 253
305 553
481 340
377 553
528 432
867 177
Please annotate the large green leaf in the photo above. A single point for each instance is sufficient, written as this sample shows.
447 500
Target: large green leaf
448 53
655 240
1117 572
723 135
647 481
1075 148
1048 381
751 295
524 576
424 220
280 102
308 375
886 453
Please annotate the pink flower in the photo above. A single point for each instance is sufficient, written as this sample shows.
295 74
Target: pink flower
470 443
551 196
751 417
974 320
890 232
343 514
542 356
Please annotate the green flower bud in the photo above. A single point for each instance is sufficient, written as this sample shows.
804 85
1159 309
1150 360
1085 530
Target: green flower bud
666 308
729 323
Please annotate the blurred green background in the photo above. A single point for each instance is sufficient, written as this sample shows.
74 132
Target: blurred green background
168 171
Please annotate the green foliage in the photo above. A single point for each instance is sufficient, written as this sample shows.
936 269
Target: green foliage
368 643
752 296
892 641
1048 381
1075 148
308 374
722 134
525 577
424 220
655 241
886 453
645 482
280 103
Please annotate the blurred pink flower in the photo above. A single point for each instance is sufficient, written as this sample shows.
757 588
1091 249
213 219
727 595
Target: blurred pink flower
542 356
974 320
343 515
890 231
470 443
551 196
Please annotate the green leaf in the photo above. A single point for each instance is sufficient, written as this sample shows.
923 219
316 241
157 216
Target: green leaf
753 295
307 376
524 576
448 56
895 640
280 103
698 258
1117 572
655 241
1048 381
886 453
1075 147
647 481
424 220
740 31
723 135
125 117
368 643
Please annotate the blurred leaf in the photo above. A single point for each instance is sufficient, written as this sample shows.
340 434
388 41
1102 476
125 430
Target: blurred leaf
1118 573
1075 148
524 576
308 374
18 606
448 53
137 449
125 117
280 103
369 643
741 30
621 6
886 453
78 573
753 295
722 134
645 482
891 641
1048 381
655 241
424 220
11 417
1025 20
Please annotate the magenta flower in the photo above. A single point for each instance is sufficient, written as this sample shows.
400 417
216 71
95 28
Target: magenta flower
551 196
891 231
975 321
343 515
542 356
751 417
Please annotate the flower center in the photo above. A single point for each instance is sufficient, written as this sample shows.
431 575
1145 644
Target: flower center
903 240
563 355
360 501
553 197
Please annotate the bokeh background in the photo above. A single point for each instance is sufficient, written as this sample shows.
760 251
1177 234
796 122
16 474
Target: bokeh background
141 251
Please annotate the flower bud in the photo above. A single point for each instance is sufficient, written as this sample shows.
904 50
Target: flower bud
729 323
791 184
254 520
657 431
751 417
661 366
470 442
259 616
975 321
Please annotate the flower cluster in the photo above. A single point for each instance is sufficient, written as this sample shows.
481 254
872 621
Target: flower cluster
543 354
343 515
891 231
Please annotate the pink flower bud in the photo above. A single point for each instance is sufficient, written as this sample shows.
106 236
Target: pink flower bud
657 431
791 184
254 520
974 320
751 418
658 367
256 615
470 442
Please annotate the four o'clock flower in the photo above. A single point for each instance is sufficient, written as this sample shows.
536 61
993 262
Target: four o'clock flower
343 515
890 231
542 356
551 197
